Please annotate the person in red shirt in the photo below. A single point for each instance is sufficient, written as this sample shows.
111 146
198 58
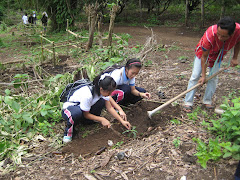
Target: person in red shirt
217 40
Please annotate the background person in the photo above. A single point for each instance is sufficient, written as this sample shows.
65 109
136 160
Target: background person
31 19
34 18
214 44
25 19
90 106
44 20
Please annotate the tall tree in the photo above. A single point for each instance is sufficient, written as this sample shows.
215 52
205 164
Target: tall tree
202 13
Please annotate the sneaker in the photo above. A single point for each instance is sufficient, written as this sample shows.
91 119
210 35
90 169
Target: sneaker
67 139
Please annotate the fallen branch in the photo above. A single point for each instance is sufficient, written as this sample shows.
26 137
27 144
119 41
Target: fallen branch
13 62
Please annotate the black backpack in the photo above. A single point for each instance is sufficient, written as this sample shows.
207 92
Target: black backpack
72 87
110 69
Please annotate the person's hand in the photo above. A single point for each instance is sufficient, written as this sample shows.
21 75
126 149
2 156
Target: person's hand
126 124
105 122
202 80
123 115
234 62
145 95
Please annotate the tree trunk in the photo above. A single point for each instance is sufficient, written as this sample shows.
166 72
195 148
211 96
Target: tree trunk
100 19
222 9
202 13
140 7
186 13
113 13
93 16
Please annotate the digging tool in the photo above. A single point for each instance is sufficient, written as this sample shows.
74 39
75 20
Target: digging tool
150 113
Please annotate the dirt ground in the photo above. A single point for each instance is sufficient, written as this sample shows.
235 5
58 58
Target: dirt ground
152 154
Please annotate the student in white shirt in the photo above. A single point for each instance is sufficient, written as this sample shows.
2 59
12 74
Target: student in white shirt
126 91
25 19
90 104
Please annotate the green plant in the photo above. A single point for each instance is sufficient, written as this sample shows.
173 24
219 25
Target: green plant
131 132
177 142
206 152
22 116
117 145
182 58
148 63
92 171
175 121
20 81
227 132
194 115
1 43
85 134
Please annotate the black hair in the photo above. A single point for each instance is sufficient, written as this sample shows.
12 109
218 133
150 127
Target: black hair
227 23
107 84
134 62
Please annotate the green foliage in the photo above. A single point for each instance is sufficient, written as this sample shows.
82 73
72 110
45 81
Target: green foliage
117 145
175 121
1 43
227 130
228 126
148 63
177 142
22 116
132 132
206 152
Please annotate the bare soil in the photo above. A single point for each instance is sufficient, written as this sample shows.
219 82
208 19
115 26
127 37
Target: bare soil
152 154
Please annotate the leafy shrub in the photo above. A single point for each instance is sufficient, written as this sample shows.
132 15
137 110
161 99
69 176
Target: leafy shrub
227 131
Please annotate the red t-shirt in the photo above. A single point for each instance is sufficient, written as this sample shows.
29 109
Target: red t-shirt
210 41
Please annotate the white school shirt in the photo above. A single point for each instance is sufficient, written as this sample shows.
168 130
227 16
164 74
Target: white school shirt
25 19
120 77
85 97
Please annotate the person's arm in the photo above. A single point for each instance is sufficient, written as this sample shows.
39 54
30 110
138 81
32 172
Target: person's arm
93 117
135 92
234 61
204 66
112 111
116 106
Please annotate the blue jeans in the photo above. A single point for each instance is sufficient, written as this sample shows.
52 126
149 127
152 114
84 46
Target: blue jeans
211 84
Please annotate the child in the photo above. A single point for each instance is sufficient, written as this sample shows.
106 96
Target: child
85 105
126 91
44 20
25 19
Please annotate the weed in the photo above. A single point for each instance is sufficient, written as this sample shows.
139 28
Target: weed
182 58
175 121
206 152
85 134
148 63
92 171
177 142
132 132
117 145
227 132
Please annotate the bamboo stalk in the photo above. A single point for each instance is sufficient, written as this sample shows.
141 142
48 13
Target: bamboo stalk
13 62
50 51
75 34
67 38
46 39
54 57
42 59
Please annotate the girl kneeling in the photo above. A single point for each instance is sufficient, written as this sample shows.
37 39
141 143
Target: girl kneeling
86 105
126 91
